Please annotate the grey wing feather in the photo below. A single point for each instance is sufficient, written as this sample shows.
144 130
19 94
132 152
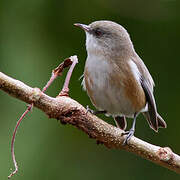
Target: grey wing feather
147 84
144 72
154 119
152 111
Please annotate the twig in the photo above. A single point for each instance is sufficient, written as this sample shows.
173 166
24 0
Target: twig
13 140
65 90
70 111
58 71
55 73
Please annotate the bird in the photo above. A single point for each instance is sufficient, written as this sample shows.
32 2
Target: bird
115 77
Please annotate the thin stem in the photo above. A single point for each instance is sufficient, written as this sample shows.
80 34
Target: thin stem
58 72
13 140
53 77
65 89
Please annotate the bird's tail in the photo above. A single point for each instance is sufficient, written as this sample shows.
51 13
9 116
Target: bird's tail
161 122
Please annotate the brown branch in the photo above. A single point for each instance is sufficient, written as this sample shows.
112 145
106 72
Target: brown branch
70 111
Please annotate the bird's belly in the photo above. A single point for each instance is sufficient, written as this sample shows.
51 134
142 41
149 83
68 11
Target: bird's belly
105 93
109 98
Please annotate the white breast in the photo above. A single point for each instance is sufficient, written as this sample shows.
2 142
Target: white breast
98 69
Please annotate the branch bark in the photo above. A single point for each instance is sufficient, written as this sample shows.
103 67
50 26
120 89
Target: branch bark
70 111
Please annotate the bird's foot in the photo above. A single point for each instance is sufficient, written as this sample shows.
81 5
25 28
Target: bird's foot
89 110
129 134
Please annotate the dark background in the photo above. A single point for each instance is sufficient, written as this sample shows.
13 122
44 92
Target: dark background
35 36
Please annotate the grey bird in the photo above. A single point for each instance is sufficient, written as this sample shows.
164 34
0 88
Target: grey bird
116 79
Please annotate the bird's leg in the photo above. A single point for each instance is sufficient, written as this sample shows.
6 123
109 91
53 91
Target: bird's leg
120 122
95 112
130 133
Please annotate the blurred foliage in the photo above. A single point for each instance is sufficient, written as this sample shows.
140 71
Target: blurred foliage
35 36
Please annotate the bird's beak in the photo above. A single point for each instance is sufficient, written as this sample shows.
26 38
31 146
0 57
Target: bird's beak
83 26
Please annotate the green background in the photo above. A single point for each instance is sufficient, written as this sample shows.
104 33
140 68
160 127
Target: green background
35 36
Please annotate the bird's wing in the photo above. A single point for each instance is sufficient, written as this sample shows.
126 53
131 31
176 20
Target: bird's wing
147 84
152 111
144 71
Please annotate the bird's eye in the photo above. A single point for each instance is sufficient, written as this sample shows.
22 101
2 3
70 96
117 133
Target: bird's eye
98 32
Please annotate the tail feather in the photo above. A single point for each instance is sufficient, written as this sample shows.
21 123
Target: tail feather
161 122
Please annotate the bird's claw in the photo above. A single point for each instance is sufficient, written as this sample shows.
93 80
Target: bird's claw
129 134
89 110
95 112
